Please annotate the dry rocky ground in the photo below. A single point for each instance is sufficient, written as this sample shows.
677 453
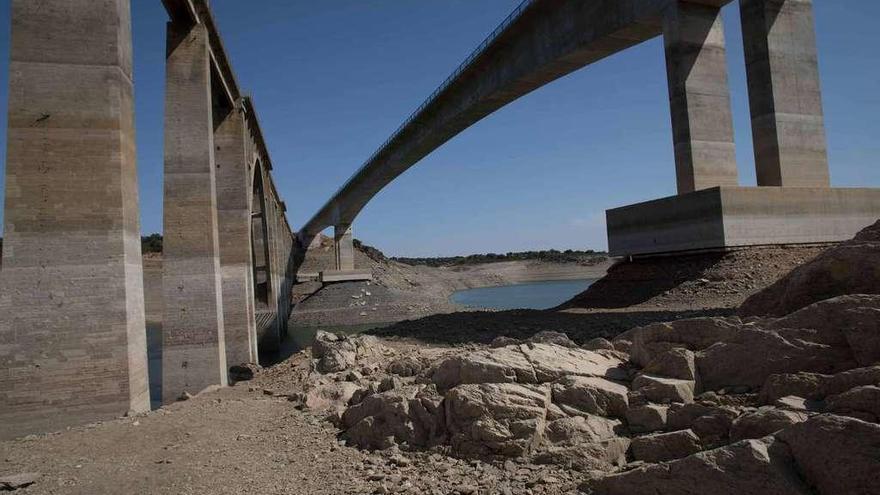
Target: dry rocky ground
779 396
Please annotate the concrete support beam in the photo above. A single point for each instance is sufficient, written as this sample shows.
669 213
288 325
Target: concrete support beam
344 247
194 354
233 225
699 97
785 97
72 335
731 217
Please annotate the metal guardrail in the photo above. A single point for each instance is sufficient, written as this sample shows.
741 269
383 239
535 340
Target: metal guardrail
445 84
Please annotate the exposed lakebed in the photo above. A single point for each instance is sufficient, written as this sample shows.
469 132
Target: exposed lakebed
533 295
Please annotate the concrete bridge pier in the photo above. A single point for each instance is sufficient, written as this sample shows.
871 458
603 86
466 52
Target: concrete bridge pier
699 97
233 225
193 345
72 335
344 247
785 97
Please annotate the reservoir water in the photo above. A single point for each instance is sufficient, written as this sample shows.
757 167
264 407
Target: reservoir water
533 295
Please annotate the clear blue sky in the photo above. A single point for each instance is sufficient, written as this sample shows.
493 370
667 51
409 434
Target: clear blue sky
332 79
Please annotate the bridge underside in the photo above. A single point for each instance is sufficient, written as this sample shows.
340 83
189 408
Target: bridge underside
544 40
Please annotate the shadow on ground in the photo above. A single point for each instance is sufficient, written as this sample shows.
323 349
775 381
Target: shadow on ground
483 326
640 280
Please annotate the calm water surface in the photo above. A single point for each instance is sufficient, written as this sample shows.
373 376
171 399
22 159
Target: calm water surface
534 295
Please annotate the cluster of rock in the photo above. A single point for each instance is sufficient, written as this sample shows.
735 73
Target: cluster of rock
733 405
782 404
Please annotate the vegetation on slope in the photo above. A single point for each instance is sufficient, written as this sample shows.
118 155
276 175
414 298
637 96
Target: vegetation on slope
588 257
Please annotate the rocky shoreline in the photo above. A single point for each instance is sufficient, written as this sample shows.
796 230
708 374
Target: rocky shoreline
779 394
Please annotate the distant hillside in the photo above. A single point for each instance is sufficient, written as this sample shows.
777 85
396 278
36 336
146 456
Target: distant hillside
586 258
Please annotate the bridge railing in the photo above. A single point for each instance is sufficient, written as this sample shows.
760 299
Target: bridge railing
514 15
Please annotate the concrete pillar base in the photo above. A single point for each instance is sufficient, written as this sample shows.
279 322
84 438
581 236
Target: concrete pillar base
729 217
344 246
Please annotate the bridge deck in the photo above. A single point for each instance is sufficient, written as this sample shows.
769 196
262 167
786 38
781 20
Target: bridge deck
541 41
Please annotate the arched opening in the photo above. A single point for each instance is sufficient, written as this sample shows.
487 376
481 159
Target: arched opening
260 244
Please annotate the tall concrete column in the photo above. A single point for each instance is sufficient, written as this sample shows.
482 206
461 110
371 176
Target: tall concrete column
344 247
72 335
193 345
234 223
699 97
785 97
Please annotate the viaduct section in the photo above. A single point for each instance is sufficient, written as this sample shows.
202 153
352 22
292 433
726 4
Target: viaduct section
543 40
72 311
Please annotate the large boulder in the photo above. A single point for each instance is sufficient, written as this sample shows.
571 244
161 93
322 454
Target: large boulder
333 396
752 466
646 418
526 363
852 267
710 422
585 442
336 353
763 422
847 321
752 354
581 395
496 419
661 447
860 402
664 390
552 362
836 455
693 334
816 386
411 414
499 365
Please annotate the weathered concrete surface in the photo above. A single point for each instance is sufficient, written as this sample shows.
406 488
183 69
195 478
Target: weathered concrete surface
194 354
72 338
741 216
233 225
327 276
699 97
344 247
549 39
784 93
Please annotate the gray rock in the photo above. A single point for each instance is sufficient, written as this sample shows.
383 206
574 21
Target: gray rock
411 414
763 422
330 396
753 354
836 454
711 423
340 352
673 363
16 481
551 337
646 418
761 466
661 447
861 402
815 386
580 430
664 390
693 334
578 395
406 366
848 268
526 363
505 419
598 344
